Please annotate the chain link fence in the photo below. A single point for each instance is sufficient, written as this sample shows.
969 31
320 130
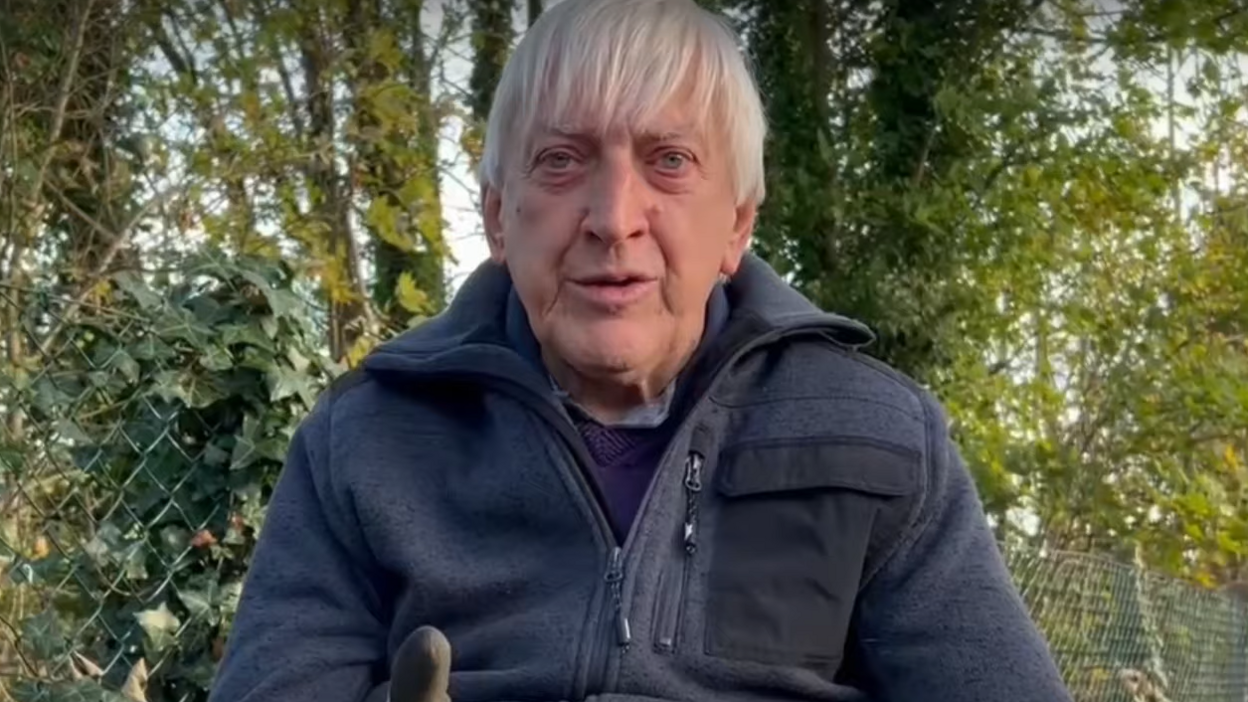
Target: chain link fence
142 435
1123 634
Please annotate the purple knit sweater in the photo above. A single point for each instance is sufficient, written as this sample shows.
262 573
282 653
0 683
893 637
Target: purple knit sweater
625 460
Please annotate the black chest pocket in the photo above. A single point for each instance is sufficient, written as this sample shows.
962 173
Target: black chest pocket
793 523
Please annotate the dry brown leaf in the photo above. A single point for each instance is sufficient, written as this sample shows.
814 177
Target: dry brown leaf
135 687
85 666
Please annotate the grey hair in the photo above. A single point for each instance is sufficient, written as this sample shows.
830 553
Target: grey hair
610 60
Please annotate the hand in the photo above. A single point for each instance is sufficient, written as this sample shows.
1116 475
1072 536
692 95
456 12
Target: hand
422 668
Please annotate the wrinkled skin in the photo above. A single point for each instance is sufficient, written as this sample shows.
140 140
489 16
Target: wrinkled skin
614 241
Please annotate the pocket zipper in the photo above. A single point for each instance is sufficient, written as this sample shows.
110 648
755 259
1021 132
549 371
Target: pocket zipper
615 580
673 587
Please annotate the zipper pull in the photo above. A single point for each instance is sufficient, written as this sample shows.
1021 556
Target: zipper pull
615 577
693 486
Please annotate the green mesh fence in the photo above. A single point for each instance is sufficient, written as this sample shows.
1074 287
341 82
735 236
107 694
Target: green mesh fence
140 441
1115 629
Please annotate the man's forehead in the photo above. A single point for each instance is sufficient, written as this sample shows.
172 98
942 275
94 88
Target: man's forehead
661 125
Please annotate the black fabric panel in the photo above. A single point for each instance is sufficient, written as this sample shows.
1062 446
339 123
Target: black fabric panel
793 525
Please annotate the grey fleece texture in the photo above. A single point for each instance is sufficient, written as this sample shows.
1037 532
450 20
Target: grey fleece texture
832 546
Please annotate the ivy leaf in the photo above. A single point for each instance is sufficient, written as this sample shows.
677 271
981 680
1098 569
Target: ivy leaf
125 364
192 389
269 325
215 358
69 430
134 561
251 333
151 348
136 289
160 627
286 382
410 296
198 602
44 635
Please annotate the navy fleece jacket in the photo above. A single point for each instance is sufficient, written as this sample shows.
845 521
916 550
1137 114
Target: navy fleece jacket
810 532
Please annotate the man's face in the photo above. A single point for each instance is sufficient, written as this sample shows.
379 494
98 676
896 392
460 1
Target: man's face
614 240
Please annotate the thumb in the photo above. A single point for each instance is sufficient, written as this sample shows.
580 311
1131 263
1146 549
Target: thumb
422 668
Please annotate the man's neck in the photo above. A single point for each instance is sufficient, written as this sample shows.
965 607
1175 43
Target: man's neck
610 399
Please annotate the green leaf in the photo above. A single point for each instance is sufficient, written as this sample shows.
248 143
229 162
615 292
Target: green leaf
215 358
384 219
174 538
136 289
251 333
198 603
151 348
192 389
182 324
69 430
286 382
44 635
134 561
125 364
410 296
269 325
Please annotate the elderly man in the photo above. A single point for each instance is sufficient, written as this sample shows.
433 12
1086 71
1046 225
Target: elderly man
628 462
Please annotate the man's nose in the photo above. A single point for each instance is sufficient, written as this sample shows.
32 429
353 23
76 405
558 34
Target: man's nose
619 201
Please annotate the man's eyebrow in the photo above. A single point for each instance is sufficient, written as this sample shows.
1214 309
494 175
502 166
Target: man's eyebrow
567 130
647 135
682 133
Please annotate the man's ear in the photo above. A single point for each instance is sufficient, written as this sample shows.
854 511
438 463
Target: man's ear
492 219
742 229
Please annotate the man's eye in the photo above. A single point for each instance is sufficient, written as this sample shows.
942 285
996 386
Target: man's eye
556 159
673 160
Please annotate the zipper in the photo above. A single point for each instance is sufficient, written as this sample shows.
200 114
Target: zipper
693 486
675 583
615 580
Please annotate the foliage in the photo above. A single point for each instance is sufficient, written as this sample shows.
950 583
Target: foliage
161 427
1039 205
1036 205
310 129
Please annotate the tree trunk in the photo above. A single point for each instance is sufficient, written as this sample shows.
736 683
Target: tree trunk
424 263
491 41
330 195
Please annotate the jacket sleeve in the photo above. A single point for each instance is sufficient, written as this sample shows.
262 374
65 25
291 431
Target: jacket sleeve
308 625
942 619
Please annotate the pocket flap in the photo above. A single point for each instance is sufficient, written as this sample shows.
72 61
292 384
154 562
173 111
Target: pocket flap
844 463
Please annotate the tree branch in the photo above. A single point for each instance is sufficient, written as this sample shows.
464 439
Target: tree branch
62 103
292 103
117 243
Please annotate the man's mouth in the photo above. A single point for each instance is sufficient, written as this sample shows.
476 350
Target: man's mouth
621 280
614 290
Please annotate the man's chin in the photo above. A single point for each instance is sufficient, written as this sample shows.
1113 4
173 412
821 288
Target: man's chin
600 352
